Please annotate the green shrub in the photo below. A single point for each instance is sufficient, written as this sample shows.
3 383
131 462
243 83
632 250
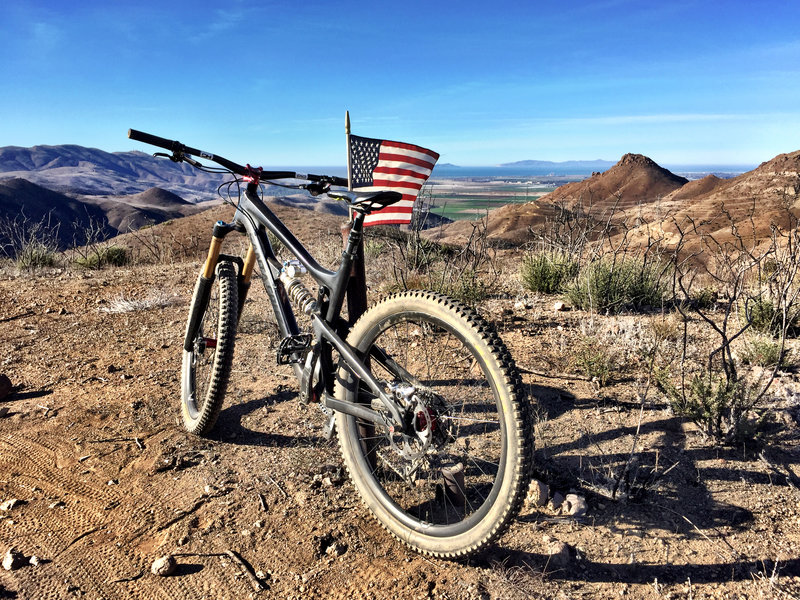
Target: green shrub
763 317
465 285
36 254
724 410
704 298
763 351
594 360
548 272
466 273
115 256
29 244
375 248
611 286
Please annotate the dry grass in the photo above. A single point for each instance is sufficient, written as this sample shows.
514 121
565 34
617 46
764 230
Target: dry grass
154 299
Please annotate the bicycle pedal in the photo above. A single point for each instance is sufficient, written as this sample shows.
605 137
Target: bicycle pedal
330 427
293 349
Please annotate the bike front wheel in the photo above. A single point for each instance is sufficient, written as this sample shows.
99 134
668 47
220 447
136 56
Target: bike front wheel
450 483
213 317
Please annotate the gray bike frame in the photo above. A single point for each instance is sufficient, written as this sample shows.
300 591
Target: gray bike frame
253 215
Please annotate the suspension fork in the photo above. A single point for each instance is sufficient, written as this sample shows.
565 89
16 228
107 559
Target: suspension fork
206 280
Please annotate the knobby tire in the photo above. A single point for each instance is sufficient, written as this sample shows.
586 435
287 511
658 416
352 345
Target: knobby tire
207 367
470 393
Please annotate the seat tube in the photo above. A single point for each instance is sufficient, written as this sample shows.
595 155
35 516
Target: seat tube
357 284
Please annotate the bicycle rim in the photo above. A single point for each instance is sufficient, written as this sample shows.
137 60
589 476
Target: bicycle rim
461 479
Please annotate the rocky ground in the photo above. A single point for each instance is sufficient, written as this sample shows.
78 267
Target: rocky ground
98 480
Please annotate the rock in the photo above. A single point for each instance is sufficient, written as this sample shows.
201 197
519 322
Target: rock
560 553
34 561
5 387
164 566
785 418
13 559
538 493
336 549
11 503
559 306
3 411
574 505
556 501
519 305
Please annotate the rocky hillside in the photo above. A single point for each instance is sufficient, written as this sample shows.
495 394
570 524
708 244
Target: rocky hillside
638 190
753 201
634 180
67 217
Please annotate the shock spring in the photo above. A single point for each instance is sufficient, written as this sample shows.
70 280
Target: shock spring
299 295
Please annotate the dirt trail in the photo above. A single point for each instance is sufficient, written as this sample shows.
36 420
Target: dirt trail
108 481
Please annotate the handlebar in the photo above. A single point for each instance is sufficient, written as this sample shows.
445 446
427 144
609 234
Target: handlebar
178 150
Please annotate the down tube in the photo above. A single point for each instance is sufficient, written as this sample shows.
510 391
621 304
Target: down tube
284 316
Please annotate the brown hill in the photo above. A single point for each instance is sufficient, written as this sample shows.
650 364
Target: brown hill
26 207
189 237
640 192
698 187
509 224
157 197
752 202
634 180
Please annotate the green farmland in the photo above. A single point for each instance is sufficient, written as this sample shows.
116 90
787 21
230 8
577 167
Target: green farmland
471 200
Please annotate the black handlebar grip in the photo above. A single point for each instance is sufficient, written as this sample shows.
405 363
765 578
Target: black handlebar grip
154 140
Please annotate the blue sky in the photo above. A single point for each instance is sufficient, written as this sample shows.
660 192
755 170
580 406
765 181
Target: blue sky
480 82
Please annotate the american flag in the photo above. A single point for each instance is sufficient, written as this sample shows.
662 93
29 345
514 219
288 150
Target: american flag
378 165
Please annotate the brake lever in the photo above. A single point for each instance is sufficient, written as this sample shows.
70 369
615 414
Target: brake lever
317 188
177 157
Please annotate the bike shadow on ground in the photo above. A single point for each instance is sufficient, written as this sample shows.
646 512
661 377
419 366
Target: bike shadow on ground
232 428
589 571
679 474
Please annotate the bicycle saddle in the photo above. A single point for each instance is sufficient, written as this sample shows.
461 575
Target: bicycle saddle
366 201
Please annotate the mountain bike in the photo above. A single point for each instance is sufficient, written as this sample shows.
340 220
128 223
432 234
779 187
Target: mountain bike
424 397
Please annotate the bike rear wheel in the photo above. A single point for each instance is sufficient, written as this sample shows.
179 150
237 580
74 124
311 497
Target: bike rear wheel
207 366
452 481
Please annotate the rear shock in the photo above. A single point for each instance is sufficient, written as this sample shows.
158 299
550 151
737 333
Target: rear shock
298 293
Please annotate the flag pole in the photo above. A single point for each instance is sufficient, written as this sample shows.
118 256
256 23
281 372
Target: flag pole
357 286
349 160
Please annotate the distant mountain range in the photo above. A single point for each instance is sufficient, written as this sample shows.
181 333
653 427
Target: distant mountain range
27 205
89 171
75 189
580 166
71 189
